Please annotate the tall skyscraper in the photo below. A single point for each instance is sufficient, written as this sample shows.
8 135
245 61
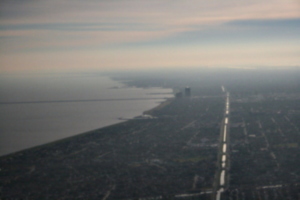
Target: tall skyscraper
187 91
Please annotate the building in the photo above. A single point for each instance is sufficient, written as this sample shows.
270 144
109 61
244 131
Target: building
187 91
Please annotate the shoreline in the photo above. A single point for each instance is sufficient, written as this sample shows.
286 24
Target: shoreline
41 123
60 140
162 104
159 106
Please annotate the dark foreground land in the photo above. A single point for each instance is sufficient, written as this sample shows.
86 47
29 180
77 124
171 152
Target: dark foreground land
176 155
265 151
172 155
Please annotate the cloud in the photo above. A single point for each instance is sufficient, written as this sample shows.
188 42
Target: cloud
219 55
167 12
268 23
133 32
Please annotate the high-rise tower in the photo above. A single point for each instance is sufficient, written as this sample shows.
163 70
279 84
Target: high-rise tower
187 91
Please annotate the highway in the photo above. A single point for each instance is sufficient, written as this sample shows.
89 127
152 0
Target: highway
224 152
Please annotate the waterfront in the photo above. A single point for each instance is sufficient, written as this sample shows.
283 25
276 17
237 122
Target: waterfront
44 108
192 148
171 155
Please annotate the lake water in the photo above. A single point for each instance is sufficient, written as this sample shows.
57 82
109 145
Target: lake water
37 109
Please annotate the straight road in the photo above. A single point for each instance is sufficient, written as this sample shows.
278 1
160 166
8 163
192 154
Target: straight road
223 154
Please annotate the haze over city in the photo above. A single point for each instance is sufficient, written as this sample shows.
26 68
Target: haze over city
137 100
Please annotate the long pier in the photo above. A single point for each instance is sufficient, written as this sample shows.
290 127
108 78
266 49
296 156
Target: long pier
81 100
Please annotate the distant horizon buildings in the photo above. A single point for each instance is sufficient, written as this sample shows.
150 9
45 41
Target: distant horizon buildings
187 91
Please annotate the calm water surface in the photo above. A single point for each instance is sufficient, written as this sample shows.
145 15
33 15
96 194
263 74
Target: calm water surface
44 108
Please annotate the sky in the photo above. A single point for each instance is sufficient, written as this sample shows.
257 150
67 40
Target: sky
76 35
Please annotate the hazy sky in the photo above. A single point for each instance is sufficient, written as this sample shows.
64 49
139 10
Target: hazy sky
136 34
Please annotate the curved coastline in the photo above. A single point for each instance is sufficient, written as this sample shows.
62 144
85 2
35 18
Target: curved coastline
161 105
32 121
